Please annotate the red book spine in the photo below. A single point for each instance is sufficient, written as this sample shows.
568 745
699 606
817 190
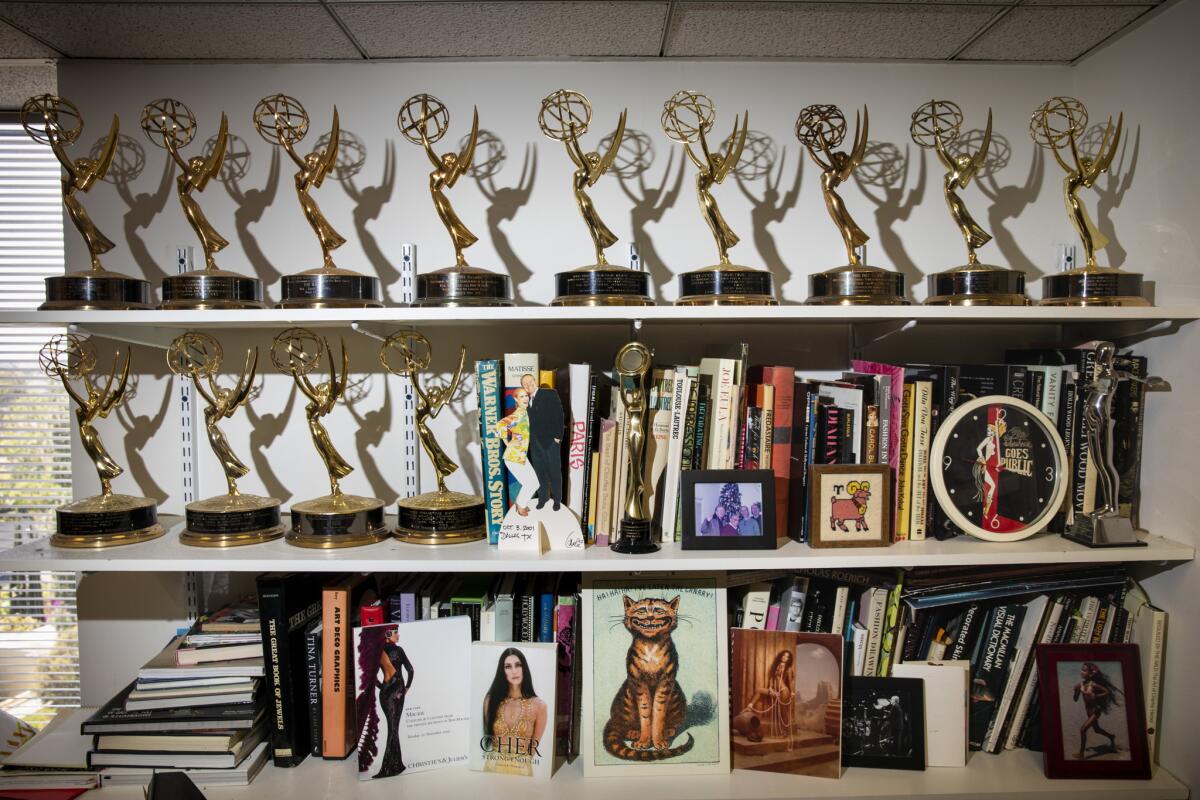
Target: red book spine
784 381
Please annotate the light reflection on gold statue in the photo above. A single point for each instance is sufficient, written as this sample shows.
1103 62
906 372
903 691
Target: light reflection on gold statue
820 128
1062 120
687 117
564 117
424 120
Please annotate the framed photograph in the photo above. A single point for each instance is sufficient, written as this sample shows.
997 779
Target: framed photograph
850 505
883 723
654 636
729 509
1093 720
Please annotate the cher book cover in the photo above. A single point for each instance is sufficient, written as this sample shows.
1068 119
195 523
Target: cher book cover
512 708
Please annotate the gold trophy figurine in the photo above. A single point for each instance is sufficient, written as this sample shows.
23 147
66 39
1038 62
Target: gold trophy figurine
232 518
424 120
936 125
441 517
1058 123
686 119
336 519
170 124
632 365
821 128
282 121
107 519
564 117
57 122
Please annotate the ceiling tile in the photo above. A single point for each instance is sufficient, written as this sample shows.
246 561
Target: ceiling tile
823 30
181 30
1091 2
505 29
14 44
1050 33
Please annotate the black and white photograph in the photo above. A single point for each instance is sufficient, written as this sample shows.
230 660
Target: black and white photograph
729 509
883 723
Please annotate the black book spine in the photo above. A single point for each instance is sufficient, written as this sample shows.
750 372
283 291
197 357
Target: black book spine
846 455
589 444
703 402
273 619
967 633
312 671
798 482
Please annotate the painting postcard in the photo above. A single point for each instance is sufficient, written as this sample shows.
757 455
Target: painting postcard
655 691
513 687
412 705
786 702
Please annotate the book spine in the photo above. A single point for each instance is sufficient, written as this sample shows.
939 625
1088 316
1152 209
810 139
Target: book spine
604 482
766 437
1152 680
905 474
658 434
546 617
859 645
273 620
782 415
1027 688
966 634
837 619
504 618
579 386
752 434
335 683
495 478
671 475
528 628
1081 467
993 669
795 604
891 627
565 623
312 669
919 480
878 611
588 522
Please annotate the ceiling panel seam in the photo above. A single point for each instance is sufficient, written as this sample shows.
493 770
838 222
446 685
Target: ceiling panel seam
983 29
337 20
666 31
7 21
1121 31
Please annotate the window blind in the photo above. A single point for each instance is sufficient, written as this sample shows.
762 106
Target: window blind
39 646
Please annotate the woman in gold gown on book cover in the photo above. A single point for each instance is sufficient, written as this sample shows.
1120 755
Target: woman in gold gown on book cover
513 716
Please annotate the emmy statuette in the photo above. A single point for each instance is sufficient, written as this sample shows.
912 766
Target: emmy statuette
564 117
336 519
170 124
107 519
233 518
1059 122
424 120
632 364
57 122
821 128
686 119
443 516
282 121
937 125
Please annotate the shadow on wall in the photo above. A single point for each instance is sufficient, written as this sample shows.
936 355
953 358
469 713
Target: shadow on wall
1111 188
759 160
372 425
503 201
886 169
128 163
264 430
1009 201
138 430
368 200
251 204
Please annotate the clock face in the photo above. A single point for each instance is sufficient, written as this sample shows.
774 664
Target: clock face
998 469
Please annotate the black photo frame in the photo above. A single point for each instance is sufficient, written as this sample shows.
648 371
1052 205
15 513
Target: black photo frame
883 723
704 487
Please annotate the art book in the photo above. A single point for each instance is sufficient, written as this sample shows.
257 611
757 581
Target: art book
787 702
512 708
411 708
657 642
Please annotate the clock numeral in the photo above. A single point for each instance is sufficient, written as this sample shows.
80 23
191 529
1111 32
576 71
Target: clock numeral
946 462
1050 474
994 523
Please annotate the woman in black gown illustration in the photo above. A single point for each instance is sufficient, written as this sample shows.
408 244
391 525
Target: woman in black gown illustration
383 667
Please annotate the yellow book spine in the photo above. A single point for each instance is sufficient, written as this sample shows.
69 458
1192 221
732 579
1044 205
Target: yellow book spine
904 472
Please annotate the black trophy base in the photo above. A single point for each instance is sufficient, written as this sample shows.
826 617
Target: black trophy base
329 288
335 521
232 521
211 288
856 285
463 287
107 521
977 285
602 285
443 517
635 538
1105 530
726 285
96 289
1093 286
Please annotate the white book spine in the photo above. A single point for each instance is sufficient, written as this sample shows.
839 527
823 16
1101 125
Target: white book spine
579 377
755 607
673 478
1087 620
838 619
877 612
860 637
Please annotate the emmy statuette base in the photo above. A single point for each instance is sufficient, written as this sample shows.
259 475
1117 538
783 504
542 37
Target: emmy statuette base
977 285
602 285
107 521
232 521
335 521
635 538
463 287
1106 530
726 285
329 288
1093 286
96 289
211 288
440 518
857 285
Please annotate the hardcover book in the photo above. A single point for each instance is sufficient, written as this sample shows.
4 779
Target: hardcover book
411 706
513 689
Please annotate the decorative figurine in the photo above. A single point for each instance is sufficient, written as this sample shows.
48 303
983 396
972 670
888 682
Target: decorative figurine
632 364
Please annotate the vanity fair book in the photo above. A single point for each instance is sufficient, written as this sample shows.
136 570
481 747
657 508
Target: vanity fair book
513 686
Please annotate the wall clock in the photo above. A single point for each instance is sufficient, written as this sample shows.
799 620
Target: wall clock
998 469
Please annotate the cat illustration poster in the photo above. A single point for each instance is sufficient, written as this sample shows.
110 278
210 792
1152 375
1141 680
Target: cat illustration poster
513 688
412 711
655 692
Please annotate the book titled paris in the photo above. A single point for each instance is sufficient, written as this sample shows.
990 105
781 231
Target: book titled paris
655 692
410 705
513 686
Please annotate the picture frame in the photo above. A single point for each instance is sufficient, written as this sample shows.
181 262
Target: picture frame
729 509
841 517
883 723
1093 691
